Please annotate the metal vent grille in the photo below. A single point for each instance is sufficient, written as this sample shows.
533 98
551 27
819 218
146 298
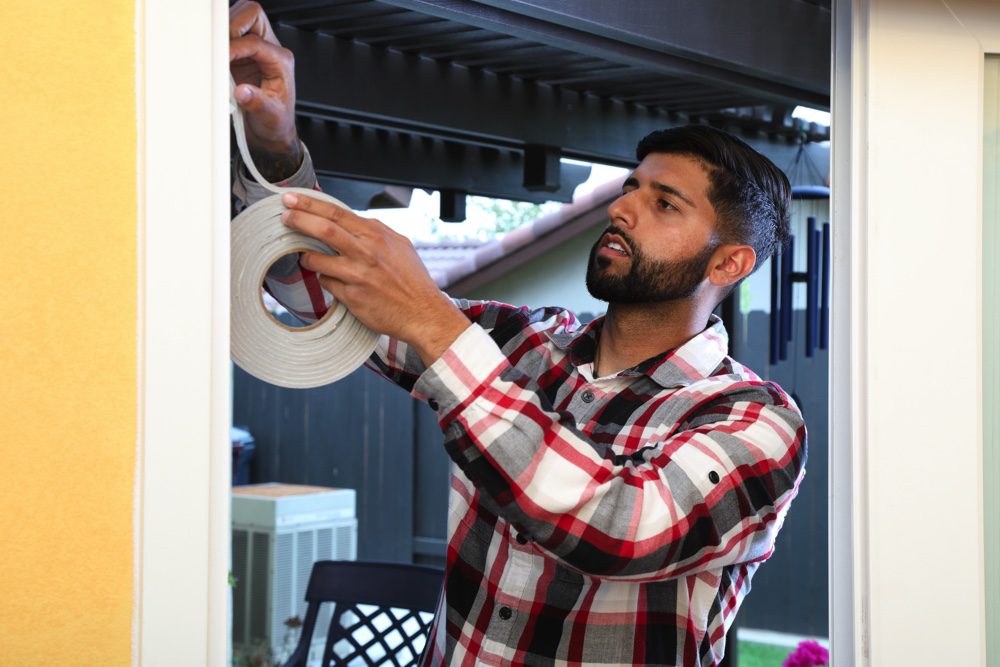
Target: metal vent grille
259 569
240 538
346 542
324 551
283 602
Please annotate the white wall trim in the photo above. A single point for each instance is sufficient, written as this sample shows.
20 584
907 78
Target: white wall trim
907 417
848 351
182 481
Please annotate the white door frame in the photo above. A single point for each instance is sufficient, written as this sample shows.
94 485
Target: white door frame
906 502
183 454
183 448
848 626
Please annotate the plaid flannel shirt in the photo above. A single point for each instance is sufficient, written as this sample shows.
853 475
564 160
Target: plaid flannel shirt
613 520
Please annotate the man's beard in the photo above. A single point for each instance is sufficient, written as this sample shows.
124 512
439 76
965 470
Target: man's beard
648 280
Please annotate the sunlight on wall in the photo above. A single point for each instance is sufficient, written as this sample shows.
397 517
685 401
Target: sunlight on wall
68 349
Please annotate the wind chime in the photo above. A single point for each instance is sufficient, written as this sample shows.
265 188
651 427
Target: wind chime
816 275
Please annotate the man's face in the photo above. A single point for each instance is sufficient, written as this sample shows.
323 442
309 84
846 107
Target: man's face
661 235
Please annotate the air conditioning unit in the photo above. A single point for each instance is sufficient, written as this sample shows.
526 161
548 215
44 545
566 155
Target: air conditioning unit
279 531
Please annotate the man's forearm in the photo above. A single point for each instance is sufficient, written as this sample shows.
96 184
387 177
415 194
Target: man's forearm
280 165
248 191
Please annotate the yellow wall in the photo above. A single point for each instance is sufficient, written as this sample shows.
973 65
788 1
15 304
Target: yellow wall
67 331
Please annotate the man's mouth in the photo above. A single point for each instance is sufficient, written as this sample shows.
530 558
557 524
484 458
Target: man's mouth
613 244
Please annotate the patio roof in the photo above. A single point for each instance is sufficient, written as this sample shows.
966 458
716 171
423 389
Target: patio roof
486 96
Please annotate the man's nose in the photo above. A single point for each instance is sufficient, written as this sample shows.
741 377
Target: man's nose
622 210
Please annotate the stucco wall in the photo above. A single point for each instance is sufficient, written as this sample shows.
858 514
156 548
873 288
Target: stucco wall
68 348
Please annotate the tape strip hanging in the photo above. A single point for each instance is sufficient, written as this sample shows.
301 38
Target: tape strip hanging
297 358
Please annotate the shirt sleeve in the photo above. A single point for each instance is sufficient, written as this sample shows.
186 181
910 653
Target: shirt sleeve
399 363
710 493
296 289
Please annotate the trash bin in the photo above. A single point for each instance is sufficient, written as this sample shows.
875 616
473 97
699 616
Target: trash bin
243 449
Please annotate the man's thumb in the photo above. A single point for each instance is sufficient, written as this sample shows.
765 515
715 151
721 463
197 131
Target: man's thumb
248 96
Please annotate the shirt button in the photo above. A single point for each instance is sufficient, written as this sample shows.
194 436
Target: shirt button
521 539
713 477
506 613
587 396
433 404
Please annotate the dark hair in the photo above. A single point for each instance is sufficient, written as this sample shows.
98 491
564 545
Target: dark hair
749 193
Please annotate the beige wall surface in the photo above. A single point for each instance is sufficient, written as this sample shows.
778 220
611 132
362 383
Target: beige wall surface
68 348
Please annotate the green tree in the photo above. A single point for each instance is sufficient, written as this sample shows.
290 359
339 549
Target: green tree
508 215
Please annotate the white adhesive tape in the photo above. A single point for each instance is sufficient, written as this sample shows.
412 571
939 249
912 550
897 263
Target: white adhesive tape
298 358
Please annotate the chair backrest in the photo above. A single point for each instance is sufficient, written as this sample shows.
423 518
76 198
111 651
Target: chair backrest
382 612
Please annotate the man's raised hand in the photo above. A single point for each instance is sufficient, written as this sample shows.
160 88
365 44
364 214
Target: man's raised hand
377 275
264 72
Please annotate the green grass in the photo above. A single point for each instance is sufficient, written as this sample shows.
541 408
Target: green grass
752 654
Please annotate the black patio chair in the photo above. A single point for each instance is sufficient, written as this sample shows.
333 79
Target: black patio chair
382 612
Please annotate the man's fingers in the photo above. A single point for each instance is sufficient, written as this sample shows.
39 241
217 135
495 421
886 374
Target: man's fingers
255 102
323 228
325 265
248 97
343 217
334 287
249 18
273 60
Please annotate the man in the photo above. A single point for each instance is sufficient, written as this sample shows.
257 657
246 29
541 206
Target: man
614 486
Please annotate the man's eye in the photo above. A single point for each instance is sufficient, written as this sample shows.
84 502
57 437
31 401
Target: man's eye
664 204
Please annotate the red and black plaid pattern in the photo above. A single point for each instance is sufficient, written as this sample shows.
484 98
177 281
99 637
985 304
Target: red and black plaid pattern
593 520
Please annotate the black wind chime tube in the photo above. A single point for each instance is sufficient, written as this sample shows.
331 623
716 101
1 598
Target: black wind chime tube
785 336
816 278
812 286
775 306
824 320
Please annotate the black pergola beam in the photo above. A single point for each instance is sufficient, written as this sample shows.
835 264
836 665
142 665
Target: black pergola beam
787 41
541 168
352 82
428 28
452 205
779 49
362 195
355 83
388 157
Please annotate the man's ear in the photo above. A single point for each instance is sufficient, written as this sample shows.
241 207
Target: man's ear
730 264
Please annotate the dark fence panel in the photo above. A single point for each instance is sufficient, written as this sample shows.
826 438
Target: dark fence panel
430 498
790 590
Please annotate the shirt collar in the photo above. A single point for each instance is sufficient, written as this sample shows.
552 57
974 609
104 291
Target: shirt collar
695 360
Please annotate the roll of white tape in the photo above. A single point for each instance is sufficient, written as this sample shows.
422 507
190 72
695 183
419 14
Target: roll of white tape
298 358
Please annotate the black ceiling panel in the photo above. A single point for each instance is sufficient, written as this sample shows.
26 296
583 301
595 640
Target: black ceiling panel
588 77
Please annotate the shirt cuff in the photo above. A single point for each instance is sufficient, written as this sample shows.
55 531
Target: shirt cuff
304 177
472 360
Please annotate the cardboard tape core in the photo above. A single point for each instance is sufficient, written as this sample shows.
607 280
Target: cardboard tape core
330 305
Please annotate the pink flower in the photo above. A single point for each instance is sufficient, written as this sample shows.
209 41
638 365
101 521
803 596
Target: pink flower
807 654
